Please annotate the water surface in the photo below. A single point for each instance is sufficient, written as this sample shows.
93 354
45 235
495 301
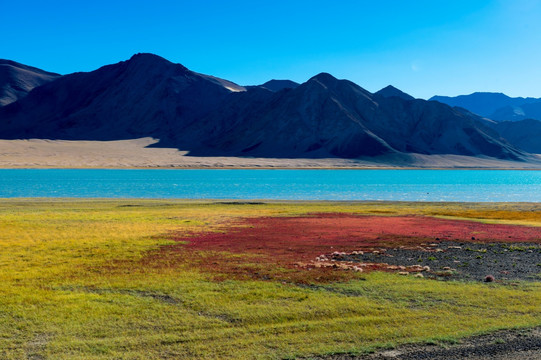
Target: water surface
410 185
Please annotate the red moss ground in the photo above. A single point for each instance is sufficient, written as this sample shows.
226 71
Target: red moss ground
284 241
303 238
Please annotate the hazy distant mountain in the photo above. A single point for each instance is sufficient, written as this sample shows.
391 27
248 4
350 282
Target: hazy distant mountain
515 113
525 134
17 80
390 91
323 117
496 106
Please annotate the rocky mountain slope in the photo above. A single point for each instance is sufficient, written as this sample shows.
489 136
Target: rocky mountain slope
204 115
17 80
330 117
144 96
525 134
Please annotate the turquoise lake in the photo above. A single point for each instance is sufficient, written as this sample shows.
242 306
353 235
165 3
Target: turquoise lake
407 185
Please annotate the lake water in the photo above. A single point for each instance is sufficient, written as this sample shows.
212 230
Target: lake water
410 185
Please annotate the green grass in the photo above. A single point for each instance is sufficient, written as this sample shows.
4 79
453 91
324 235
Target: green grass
74 285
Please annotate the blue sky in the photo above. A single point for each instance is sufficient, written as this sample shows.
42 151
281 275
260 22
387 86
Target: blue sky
422 47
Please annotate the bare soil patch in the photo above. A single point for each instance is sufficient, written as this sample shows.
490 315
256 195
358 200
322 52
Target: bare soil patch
508 344
465 261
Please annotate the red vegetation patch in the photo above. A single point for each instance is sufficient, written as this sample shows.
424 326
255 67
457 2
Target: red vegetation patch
304 238
286 241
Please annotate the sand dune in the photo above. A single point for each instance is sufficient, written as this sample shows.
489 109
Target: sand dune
135 153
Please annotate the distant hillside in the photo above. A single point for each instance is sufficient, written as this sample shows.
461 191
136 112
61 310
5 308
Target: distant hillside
496 106
525 134
515 113
148 96
17 80
277 85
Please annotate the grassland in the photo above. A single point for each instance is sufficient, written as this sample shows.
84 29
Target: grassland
109 279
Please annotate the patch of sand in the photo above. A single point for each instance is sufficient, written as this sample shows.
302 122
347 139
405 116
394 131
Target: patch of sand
135 153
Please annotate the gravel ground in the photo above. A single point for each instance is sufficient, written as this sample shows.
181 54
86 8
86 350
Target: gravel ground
472 262
508 344
465 261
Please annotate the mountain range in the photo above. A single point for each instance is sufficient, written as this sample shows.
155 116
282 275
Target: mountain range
524 112
496 106
148 96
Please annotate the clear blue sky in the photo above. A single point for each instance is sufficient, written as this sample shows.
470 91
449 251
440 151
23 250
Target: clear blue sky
422 47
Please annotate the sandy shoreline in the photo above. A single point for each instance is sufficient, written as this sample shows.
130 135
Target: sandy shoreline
135 154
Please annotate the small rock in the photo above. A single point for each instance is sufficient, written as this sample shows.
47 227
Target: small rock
418 275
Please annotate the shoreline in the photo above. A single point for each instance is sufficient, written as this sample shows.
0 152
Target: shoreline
139 154
254 168
22 167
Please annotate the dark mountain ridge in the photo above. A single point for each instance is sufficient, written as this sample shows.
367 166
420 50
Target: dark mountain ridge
516 113
278 85
496 106
525 134
17 80
330 117
323 117
144 96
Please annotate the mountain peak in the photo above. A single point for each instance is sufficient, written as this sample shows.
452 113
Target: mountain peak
149 59
391 91
277 85
324 78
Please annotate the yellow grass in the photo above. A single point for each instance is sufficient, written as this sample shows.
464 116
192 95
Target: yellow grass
73 287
